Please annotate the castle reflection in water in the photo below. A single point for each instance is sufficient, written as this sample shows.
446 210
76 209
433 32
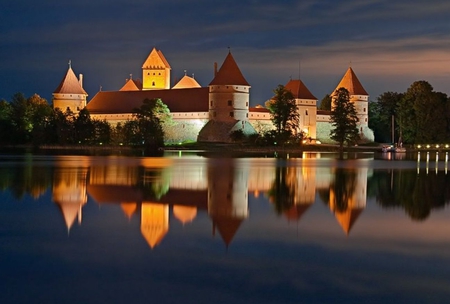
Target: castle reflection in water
152 187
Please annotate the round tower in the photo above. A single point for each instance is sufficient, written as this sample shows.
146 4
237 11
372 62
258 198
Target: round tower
229 93
70 95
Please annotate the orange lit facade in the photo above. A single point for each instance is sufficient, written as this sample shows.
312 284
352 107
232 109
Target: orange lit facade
209 113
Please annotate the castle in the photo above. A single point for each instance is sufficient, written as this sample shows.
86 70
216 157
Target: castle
206 114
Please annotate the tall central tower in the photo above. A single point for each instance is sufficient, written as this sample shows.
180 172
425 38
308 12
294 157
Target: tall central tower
156 72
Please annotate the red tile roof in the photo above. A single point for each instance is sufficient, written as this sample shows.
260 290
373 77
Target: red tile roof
70 84
299 90
259 109
132 85
351 83
179 100
156 59
186 82
229 73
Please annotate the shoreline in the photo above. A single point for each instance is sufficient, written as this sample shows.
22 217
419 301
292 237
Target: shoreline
210 148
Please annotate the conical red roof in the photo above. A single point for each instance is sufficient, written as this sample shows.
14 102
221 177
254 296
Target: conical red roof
229 73
299 90
351 83
70 84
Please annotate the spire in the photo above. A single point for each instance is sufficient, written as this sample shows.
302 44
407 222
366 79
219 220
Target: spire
70 83
299 90
352 83
229 73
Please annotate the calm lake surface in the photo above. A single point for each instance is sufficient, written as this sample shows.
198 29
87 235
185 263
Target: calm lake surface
184 228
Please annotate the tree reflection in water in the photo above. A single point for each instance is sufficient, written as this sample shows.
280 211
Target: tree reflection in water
283 190
416 193
342 189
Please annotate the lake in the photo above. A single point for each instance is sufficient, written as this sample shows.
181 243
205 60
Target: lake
185 228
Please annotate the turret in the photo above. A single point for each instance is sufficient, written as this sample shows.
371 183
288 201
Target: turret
70 95
358 96
229 93
307 107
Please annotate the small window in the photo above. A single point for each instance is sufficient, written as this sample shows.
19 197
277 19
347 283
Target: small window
148 73
160 75
211 103
246 115
153 74
306 112
230 103
246 104
231 114
364 109
153 83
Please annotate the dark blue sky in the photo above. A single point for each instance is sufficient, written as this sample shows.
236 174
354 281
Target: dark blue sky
389 44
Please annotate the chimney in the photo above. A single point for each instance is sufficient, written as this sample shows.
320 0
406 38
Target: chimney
215 69
80 81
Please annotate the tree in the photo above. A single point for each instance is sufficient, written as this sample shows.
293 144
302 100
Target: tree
343 119
40 113
147 126
325 104
284 114
83 127
423 114
388 104
5 122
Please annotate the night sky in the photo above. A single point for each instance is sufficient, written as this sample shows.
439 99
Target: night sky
388 43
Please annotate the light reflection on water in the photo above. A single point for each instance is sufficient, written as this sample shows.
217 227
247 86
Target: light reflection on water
185 228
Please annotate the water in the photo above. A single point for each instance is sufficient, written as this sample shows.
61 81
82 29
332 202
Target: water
191 229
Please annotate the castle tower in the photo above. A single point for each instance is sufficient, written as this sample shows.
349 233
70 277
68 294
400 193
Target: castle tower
69 192
155 72
227 197
229 95
358 96
307 106
70 95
